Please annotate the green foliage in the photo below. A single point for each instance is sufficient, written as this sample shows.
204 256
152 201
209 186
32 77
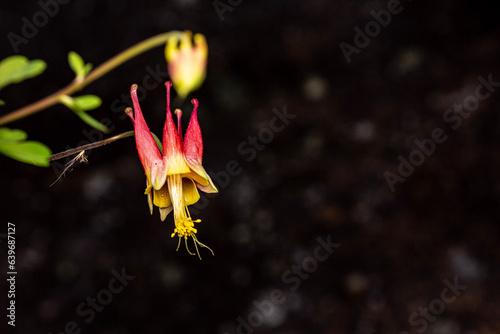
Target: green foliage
78 65
88 102
81 103
90 120
15 69
158 142
13 142
87 68
14 145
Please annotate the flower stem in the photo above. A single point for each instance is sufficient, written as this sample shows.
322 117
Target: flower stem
98 72
76 150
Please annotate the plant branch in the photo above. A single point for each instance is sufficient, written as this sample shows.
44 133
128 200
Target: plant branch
76 150
98 72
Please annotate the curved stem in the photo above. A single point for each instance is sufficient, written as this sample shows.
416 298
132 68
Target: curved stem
78 84
76 150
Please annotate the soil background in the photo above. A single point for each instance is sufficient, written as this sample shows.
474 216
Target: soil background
322 173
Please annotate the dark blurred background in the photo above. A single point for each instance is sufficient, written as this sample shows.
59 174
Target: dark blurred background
322 176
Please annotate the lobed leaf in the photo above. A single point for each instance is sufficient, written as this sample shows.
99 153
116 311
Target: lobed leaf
76 63
13 145
15 69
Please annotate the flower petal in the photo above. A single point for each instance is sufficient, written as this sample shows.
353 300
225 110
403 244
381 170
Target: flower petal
189 192
159 173
200 176
164 212
172 144
197 172
146 147
209 188
161 197
193 143
149 195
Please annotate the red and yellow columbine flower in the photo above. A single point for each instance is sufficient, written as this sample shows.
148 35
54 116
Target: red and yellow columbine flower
187 63
172 179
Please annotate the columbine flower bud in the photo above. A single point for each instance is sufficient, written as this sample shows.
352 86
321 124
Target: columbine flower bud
187 64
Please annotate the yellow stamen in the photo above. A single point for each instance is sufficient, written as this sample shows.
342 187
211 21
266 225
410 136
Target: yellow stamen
184 224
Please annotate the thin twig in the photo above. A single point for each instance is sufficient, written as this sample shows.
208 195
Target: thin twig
79 83
79 149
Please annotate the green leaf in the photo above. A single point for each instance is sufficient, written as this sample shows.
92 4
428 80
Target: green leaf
2 103
12 134
15 69
88 68
30 152
87 102
76 63
70 102
90 120
13 145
